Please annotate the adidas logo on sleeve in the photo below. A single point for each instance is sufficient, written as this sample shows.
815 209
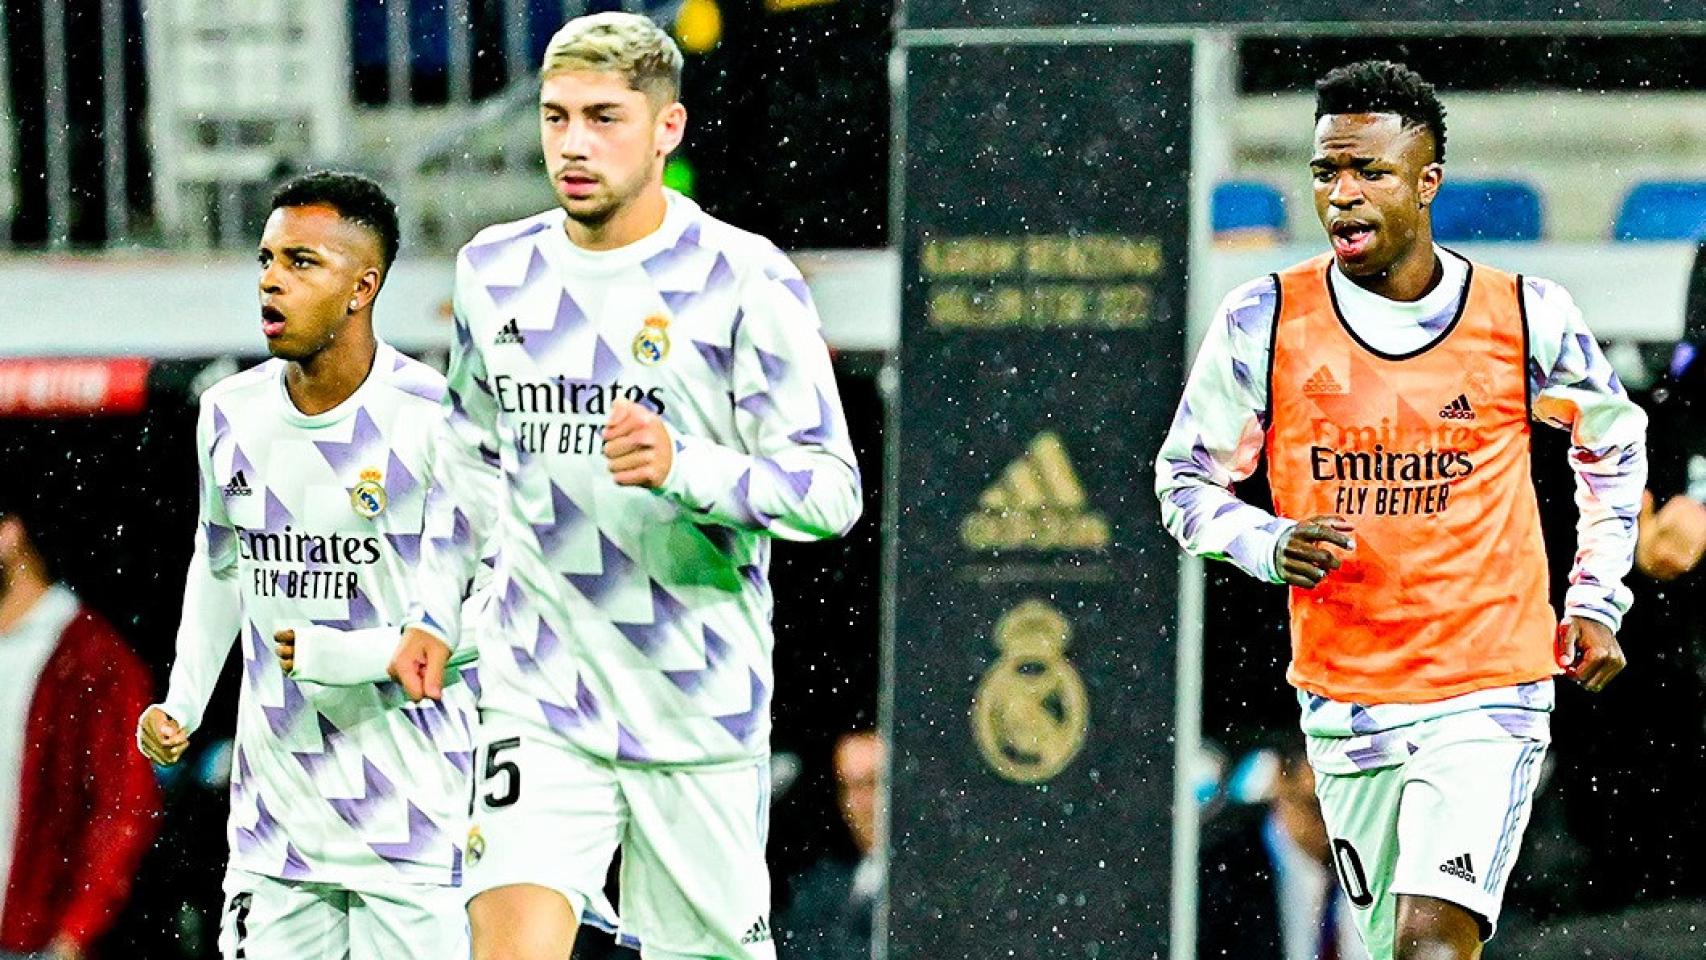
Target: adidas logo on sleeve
1458 409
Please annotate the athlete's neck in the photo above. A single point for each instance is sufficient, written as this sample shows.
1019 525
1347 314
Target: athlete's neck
333 375
1413 277
25 586
635 220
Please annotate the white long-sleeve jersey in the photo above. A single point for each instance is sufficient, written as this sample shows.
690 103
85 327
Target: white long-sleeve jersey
636 623
316 522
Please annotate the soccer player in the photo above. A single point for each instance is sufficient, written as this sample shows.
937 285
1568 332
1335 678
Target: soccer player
348 803
1390 384
654 385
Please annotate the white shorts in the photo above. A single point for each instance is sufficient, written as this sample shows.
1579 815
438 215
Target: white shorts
1446 822
266 918
693 881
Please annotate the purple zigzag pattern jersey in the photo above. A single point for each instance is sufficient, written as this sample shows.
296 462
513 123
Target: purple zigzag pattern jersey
636 623
319 520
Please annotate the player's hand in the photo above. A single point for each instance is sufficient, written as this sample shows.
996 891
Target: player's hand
284 642
419 663
162 740
63 948
1300 558
637 447
1589 653
1672 539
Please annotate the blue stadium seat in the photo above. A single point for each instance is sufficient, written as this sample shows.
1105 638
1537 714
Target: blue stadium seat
1663 210
1245 210
1479 211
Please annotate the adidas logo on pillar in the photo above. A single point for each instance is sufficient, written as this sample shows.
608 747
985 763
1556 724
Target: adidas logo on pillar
1036 504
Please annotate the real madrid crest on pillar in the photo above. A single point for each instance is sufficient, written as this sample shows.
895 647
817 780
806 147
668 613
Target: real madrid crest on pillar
1031 712
651 344
368 496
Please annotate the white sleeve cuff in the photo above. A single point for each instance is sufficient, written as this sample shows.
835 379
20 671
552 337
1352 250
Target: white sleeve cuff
344 658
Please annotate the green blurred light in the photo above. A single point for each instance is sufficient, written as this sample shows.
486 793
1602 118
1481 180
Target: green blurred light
678 175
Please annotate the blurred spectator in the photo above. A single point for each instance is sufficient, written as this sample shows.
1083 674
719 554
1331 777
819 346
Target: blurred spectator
77 801
1673 522
1629 765
1267 885
833 900
1642 753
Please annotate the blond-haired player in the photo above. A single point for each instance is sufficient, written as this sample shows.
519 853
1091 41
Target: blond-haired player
653 387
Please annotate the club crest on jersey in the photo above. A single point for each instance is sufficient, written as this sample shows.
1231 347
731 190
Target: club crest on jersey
476 846
368 496
651 344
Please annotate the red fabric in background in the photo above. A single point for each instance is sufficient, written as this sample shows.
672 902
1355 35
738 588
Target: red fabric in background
88 802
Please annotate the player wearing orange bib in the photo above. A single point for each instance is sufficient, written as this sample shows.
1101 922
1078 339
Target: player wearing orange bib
1391 385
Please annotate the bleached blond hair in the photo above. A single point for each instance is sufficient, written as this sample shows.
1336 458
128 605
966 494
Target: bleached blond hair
618 42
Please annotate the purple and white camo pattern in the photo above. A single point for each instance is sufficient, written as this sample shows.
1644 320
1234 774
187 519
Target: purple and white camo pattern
331 784
636 623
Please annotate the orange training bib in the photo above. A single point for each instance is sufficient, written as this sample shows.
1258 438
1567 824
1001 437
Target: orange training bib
1427 455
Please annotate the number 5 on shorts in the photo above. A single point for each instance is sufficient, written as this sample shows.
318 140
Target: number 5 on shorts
507 768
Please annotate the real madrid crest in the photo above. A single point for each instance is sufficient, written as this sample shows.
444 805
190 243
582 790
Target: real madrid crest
1031 712
651 344
476 845
368 496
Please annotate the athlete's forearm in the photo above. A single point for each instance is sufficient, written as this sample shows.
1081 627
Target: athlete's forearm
347 658
1580 392
795 494
212 616
1209 521
1609 483
793 475
1193 483
1216 441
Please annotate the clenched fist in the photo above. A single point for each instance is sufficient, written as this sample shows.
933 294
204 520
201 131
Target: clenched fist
637 446
160 737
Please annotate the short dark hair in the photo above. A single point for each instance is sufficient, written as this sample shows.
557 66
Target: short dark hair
1381 86
355 198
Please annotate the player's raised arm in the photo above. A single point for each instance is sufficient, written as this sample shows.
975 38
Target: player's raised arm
212 614
796 477
1216 441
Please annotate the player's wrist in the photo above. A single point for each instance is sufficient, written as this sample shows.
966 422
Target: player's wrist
1275 554
674 447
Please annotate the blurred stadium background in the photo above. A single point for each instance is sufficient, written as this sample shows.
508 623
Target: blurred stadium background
139 142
